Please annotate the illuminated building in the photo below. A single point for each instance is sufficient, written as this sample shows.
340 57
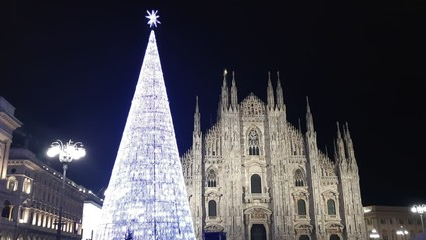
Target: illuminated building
388 221
91 214
33 191
8 123
254 175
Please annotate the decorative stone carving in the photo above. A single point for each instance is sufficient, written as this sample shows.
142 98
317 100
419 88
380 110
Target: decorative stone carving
214 228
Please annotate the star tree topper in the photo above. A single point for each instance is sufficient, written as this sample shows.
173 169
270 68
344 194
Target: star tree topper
153 18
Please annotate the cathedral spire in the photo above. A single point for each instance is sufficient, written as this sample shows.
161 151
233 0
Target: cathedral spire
270 93
234 95
309 118
280 94
336 156
339 135
224 93
340 145
197 121
349 144
146 194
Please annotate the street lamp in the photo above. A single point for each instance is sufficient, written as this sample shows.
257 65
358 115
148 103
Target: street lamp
67 152
374 234
420 209
402 232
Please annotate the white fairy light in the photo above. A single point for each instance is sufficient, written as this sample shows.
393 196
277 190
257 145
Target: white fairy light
153 18
147 196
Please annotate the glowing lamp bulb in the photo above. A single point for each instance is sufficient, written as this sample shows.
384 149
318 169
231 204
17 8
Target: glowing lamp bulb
79 153
53 151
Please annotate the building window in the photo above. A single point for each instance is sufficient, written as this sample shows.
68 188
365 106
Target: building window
253 142
211 178
331 207
26 187
385 235
382 221
301 207
256 185
299 179
6 211
12 184
304 237
212 208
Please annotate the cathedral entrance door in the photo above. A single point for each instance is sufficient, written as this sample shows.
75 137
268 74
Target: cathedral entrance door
258 232
334 237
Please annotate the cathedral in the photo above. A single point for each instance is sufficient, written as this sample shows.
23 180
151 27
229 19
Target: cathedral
253 175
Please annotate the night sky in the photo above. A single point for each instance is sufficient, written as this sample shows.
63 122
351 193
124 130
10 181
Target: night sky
70 69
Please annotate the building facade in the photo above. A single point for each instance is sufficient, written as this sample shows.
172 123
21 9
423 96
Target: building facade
253 175
91 216
392 222
33 198
8 123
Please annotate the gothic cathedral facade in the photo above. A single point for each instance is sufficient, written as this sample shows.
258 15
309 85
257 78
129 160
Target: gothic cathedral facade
253 175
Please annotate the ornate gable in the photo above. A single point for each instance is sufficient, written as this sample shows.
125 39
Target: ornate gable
252 106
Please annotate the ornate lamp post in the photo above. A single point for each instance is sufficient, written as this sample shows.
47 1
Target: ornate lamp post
66 152
420 209
374 234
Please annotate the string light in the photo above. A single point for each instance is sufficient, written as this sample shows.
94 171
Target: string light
146 196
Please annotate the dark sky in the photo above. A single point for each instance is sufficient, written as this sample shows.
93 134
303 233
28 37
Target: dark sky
70 68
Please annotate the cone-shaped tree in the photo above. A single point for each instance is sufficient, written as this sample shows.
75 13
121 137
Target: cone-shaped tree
146 193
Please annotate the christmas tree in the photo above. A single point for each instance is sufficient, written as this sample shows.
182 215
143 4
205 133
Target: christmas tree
146 193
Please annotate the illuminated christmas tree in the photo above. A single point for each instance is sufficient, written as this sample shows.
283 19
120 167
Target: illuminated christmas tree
146 197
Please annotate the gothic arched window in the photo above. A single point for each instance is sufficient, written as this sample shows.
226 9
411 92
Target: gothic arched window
256 184
212 208
298 178
211 178
253 138
301 207
331 207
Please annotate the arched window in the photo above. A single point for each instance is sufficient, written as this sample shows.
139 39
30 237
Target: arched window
331 207
211 178
301 207
256 185
212 208
12 184
253 142
298 178
26 188
304 237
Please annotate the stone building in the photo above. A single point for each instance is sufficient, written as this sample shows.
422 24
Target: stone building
8 123
34 192
30 191
393 222
253 175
